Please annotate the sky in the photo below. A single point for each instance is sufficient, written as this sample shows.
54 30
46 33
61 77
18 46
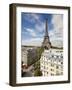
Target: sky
33 28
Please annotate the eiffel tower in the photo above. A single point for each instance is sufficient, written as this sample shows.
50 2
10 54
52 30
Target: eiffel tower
46 42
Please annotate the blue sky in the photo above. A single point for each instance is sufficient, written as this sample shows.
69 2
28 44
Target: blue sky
33 28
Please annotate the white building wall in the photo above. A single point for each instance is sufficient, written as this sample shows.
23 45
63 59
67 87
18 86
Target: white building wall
24 56
51 62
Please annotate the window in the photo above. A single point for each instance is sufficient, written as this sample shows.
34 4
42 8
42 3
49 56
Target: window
52 56
57 67
52 74
57 56
61 67
47 72
52 69
61 73
61 62
41 66
44 67
61 57
57 73
50 51
52 65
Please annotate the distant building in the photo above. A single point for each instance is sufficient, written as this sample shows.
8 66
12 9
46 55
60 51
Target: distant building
28 55
24 54
51 61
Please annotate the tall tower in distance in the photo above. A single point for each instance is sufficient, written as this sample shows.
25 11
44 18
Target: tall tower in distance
46 42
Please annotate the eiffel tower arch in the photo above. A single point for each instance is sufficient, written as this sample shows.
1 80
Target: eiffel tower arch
46 42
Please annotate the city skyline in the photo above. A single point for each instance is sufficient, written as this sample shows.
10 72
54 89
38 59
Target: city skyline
33 28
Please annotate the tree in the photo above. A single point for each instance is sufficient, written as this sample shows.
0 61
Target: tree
39 52
37 64
37 72
34 55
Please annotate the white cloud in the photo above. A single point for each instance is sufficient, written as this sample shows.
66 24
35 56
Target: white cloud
31 32
57 22
57 43
33 42
40 27
56 35
35 16
32 17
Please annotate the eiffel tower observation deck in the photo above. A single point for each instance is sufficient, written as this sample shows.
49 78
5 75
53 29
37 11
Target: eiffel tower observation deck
46 42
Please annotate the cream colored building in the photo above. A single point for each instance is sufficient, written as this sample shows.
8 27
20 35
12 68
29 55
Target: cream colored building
51 62
24 53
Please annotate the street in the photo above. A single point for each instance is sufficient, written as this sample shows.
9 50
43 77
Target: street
28 72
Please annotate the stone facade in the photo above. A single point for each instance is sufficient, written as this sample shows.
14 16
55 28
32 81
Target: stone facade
51 62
